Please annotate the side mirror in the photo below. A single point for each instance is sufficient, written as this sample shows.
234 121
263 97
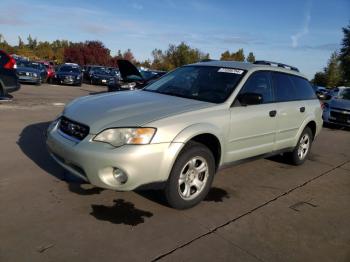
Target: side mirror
247 99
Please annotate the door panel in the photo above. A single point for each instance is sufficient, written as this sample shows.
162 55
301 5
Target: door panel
289 120
252 131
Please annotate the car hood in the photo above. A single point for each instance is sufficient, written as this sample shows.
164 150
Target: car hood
126 68
127 109
67 74
27 69
101 75
340 103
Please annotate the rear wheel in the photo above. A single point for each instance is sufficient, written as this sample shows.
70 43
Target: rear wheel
191 177
302 149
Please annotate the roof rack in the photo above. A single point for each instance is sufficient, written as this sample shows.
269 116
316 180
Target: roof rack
270 63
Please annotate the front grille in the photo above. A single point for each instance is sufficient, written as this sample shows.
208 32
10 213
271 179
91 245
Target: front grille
73 129
340 109
340 116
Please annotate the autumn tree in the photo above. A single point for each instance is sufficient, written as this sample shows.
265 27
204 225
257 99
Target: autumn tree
235 56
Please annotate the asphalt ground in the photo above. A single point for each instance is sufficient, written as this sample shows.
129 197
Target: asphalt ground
264 210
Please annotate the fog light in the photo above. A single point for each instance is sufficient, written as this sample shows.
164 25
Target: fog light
119 175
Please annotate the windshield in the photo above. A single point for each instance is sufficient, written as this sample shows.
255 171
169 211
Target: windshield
345 94
204 83
69 69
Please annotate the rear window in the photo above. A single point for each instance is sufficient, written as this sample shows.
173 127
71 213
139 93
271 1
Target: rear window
291 88
304 90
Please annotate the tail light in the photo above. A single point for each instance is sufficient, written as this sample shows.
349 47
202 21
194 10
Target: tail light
324 105
11 64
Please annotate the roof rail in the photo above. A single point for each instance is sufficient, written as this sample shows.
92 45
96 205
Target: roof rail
207 60
270 63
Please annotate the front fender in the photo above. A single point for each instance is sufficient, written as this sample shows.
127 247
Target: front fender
199 129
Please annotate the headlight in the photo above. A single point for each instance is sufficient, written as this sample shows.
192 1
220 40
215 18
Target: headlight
35 75
126 136
78 77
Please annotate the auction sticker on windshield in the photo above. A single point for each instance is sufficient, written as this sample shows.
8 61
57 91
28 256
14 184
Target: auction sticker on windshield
231 71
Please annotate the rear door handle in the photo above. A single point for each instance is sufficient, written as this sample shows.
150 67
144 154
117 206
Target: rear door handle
302 109
273 113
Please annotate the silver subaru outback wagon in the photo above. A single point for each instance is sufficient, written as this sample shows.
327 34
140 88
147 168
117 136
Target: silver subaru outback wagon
178 131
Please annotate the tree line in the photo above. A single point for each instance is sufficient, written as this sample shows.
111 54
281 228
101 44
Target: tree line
337 71
95 52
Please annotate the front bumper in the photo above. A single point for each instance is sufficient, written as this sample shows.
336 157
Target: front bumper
340 120
94 161
28 79
67 81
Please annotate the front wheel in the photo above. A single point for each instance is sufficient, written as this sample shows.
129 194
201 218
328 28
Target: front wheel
191 177
302 149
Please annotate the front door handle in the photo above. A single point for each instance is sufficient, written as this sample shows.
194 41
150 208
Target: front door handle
273 113
302 109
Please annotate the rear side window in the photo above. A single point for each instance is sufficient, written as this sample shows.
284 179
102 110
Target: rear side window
284 88
291 88
304 90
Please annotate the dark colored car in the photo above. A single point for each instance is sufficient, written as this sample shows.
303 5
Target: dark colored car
101 75
322 92
68 74
8 77
87 69
132 78
28 72
42 69
337 110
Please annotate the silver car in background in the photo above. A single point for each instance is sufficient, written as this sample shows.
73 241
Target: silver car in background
178 131
337 110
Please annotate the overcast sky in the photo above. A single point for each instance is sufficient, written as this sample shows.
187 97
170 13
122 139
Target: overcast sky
300 33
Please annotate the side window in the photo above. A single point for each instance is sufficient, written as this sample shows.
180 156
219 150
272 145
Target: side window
303 88
257 89
283 87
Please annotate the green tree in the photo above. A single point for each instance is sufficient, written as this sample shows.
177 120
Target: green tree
320 79
344 56
175 56
20 42
251 57
333 71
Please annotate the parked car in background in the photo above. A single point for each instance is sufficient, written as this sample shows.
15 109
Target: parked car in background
68 74
178 131
87 72
131 77
49 69
100 75
28 72
336 90
322 92
42 69
337 110
8 77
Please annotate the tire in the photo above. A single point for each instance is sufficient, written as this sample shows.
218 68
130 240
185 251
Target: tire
2 92
302 149
187 186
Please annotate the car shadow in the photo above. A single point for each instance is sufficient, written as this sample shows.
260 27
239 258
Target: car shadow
335 127
121 212
32 143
